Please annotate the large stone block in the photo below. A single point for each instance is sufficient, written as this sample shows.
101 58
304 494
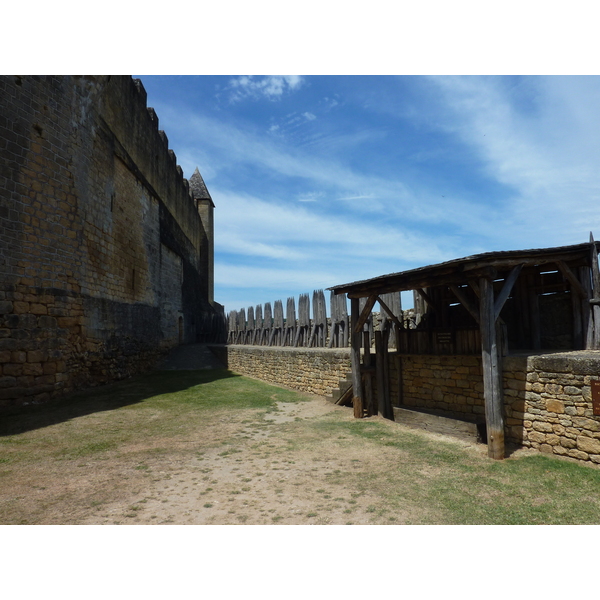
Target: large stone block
588 445
555 406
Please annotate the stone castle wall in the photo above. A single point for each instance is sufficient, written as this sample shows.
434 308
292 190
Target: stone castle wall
95 218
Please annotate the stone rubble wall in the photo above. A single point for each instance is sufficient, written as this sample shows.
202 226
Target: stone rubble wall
312 370
450 383
549 403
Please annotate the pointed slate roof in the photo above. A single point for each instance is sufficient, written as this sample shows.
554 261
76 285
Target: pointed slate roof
198 187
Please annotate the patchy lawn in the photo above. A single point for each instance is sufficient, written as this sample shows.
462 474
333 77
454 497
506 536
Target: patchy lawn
211 447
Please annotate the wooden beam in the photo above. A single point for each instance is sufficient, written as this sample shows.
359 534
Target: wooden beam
571 278
462 298
364 315
492 390
356 342
506 289
390 314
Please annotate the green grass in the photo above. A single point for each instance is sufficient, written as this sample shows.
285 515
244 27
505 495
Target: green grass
455 486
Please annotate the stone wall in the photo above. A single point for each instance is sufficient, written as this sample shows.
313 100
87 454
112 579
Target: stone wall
313 370
95 217
453 384
549 404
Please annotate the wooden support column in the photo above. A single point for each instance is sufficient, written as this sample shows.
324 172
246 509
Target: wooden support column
356 342
384 403
370 400
595 294
492 388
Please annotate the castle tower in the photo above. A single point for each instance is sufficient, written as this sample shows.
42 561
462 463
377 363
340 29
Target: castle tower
205 206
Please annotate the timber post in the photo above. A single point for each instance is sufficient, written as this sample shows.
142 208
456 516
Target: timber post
356 341
492 388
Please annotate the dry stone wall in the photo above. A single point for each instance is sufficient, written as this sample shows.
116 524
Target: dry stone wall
549 403
312 370
453 384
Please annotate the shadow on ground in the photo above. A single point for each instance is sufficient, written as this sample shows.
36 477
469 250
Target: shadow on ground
108 397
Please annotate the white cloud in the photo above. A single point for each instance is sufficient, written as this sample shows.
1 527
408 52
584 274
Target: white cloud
547 152
272 87
309 116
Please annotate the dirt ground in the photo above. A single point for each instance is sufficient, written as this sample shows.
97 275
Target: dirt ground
242 467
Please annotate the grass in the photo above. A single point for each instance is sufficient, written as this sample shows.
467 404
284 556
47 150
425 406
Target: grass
459 487
380 471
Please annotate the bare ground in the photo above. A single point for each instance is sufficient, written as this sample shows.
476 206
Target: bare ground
242 467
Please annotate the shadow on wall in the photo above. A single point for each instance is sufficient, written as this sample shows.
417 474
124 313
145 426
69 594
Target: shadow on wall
221 353
108 397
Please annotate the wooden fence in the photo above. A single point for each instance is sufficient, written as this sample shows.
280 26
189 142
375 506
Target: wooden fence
253 326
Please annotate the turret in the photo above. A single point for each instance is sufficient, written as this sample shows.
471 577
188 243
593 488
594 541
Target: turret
205 206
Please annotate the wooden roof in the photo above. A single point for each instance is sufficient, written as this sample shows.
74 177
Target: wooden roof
460 270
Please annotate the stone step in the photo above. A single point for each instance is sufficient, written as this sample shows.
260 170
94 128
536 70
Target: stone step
338 392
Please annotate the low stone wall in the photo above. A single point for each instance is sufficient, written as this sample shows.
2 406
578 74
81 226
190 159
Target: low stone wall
549 403
313 370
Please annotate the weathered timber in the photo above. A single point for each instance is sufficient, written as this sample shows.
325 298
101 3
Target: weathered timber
365 313
492 390
339 321
303 330
400 396
356 341
595 293
241 326
250 326
367 371
473 431
572 279
506 289
384 403
258 324
275 339
289 334
534 313
464 300
318 335
265 333
427 299
345 398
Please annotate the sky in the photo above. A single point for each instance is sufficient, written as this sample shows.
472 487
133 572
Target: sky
324 180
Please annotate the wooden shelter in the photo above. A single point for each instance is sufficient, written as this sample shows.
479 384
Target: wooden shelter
492 303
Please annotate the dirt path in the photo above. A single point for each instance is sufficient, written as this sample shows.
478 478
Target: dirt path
264 476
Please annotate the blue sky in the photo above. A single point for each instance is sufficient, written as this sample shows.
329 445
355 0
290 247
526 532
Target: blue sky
323 180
